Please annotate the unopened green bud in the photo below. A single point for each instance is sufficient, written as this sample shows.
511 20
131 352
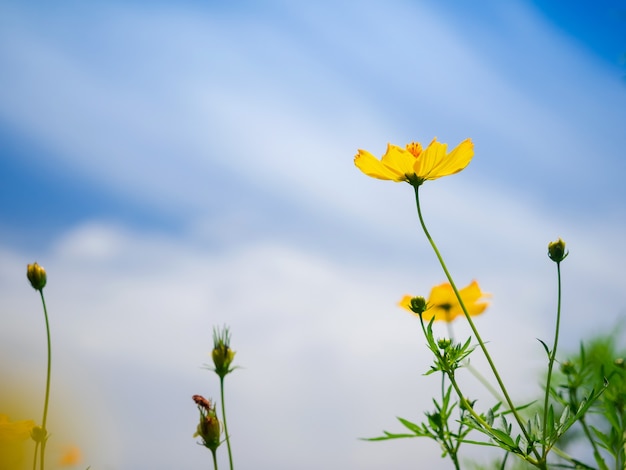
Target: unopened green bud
222 355
36 275
418 305
556 251
444 343
209 430
567 368
619 362
38 434
222 358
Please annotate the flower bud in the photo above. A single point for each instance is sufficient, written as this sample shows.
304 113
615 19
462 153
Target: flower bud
444 343
36 275
568 368
619 362
556 251
222 355
38 434
418 305
208 428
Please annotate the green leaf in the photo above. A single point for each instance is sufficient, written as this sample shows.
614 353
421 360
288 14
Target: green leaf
545 346
389 436
503 438
490 417
564 416
411 426
479 443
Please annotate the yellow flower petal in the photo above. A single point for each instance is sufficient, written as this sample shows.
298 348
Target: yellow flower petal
399 161
455 161
429 158
12 437
405 302
444 306
17 430
371 166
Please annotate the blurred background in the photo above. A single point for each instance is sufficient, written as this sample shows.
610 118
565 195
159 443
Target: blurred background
180 165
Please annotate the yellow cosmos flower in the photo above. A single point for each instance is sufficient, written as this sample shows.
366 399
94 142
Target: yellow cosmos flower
414 164
444 306
17 430
12 437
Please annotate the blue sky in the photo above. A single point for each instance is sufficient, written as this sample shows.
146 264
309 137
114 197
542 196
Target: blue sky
180 165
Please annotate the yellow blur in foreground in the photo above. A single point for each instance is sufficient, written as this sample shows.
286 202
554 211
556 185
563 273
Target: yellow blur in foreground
12 437
444 306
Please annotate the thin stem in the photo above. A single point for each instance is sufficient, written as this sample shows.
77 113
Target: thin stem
230 455
574 404
506 456
467 406
454 384
35 455
214 454
445 440
471 323
594 446
480 377
569 458
485 383
47 398
551 358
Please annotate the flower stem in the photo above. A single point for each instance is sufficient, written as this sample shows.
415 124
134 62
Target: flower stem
230 455
214 459
551 359
47 398
35 455
475 371
509 402
454 384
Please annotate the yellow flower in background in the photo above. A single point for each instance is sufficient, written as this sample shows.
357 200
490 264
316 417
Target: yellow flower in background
12 437
414 164
444 306
71 456
17 430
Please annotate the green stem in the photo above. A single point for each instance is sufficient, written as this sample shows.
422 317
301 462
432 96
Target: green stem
596 453
214 459
551 358
474 371
47 398
35 455
230 455
572 460
456 387
471 323
503 465
485 383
